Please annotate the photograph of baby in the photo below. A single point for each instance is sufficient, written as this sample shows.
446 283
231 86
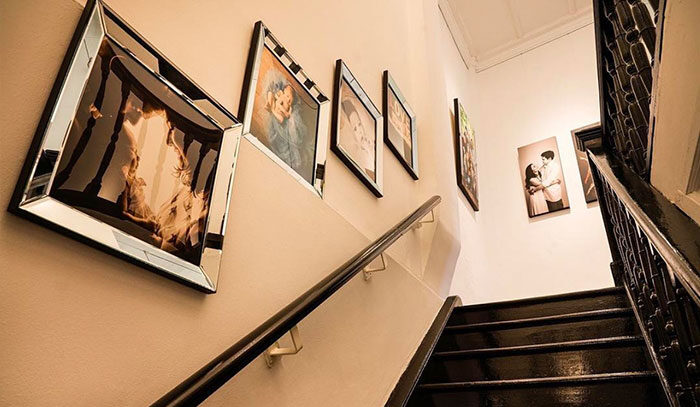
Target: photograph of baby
543 181
357 131
285 116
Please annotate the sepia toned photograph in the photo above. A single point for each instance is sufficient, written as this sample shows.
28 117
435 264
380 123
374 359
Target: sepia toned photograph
544 188
465 157
356 132
285 116
129 162
400 131
139 159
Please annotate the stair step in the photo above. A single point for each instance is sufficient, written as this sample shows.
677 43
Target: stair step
639 389
540 330
614 297
610 355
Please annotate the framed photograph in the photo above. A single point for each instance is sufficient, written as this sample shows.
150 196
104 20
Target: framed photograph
284 113
465 156
131 156
544 188
591 136
356 129
400 127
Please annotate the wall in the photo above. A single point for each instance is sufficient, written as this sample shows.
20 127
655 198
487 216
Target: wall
546 92
80 327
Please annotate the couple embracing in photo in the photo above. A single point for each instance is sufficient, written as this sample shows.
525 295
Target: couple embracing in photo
543 183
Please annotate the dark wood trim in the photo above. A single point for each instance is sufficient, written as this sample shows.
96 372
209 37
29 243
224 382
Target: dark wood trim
409 379
548 320
222 368
543 299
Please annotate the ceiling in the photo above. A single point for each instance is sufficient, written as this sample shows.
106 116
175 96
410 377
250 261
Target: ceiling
490 32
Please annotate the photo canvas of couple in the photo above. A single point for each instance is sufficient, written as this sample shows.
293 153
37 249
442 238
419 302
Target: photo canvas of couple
543 180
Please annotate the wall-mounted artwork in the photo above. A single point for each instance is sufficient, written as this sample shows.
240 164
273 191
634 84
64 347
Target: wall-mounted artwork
400 126
588 133
465 156
131 156
284 113
356 132
543 180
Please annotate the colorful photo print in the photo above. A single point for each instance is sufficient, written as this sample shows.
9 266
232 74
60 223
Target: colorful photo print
465 157
400 126
282 109
544 188
356 132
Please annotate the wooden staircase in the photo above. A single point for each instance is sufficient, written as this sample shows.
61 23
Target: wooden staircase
578 349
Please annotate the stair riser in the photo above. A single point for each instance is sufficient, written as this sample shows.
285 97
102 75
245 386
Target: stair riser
564 363
465 315
530 335
641 394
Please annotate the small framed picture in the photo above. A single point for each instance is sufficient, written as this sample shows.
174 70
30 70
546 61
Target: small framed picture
543 180
356 129
400 126
284 113
131 156
465 156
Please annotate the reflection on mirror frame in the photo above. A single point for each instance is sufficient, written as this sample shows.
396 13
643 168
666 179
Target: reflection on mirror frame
131 156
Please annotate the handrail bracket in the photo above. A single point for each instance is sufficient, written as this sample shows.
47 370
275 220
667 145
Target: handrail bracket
420 223
276 351
367 271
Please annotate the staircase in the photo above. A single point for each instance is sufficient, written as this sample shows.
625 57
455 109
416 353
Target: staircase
578 349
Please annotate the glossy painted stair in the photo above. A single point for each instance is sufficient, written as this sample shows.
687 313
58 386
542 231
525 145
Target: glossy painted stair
570 350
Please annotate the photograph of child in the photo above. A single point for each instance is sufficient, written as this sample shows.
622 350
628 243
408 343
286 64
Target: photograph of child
357 133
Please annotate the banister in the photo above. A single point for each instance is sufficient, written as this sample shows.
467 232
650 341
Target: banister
214 374
674 242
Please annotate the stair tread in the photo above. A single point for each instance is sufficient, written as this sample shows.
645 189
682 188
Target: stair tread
542 347
539 381
543 299
611 312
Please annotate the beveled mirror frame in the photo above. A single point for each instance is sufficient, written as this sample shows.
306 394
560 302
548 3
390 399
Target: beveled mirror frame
263 38
31 198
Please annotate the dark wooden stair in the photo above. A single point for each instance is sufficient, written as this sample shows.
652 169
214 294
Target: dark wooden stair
578 349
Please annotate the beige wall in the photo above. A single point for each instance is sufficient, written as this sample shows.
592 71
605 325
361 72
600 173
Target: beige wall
675 164
82 328
546 92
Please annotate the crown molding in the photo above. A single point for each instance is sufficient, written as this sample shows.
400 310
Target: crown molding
459 34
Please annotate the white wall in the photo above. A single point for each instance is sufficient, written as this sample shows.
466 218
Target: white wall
546 92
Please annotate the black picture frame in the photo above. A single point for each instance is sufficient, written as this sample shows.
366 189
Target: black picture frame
343 75
141 69
472 195
263 40
391 90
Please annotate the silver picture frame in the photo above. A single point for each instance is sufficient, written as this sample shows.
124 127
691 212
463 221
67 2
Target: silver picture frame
264 41
89 213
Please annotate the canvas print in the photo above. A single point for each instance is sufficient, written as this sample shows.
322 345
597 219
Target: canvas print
400 130
466 156
543 180
130 163
584 167
283 110
356 132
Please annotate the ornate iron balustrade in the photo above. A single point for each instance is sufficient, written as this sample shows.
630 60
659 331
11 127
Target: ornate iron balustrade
628 34
656 253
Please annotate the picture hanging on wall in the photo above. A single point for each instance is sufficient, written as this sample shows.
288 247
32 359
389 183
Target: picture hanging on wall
592 136
356 129
465 156
131 156
284 113
400 126
544 188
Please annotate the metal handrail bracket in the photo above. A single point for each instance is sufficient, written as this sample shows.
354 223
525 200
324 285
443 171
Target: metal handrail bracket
276 351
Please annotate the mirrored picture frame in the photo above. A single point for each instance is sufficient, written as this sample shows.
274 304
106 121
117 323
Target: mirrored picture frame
356 130
400 132
117 109
284 113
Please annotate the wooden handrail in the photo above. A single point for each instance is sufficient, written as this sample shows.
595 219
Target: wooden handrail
214 374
